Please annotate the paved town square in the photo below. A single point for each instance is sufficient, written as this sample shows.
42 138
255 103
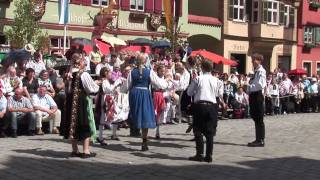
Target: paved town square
291 152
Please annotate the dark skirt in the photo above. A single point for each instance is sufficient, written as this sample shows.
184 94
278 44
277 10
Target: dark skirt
82 128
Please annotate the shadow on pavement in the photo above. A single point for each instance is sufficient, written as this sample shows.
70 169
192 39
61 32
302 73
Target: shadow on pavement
158 143
265 169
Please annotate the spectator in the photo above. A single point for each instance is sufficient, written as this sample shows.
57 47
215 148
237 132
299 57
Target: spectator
30 83
4 123
95 58
314 94
36 64
46 110
104 63
11 81
21 111
45 81
285 92
242 101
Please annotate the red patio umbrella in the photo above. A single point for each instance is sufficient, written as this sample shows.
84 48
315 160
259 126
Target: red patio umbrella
104 47
215 58
135 48
229 62
297 71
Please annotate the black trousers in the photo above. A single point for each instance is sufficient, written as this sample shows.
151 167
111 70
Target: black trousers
257 111
204 123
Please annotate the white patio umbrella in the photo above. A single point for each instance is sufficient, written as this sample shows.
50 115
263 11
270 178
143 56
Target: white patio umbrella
113 41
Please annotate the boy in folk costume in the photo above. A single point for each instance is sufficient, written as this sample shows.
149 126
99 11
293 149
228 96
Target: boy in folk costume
108 103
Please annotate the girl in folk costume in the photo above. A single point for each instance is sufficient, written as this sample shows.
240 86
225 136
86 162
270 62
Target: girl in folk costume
142 112
108 103
79 124
158 100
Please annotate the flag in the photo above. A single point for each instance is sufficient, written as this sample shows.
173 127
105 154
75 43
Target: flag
168 13
63 11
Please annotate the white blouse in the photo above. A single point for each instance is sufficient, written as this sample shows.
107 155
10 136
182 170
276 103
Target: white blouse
88 83
109 88
154 78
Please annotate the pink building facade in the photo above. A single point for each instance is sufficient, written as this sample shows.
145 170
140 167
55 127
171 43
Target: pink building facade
308 47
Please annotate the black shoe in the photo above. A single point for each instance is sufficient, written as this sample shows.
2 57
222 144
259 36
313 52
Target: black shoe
189 129
31 133
196 158
3 135
157 136
144 147
194 139
86 156
208 159
75 154
256 144
102 142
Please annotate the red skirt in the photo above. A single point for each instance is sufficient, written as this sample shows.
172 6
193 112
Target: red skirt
159 104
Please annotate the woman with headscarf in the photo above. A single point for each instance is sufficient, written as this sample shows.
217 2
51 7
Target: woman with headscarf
79 124
142 112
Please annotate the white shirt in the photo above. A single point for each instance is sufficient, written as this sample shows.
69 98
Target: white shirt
36 66
109 88
88 83
155 81
259 80
100 66
184 81
45 101
242 98
206 88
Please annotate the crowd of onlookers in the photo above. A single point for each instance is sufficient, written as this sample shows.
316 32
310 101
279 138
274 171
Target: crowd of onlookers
36 94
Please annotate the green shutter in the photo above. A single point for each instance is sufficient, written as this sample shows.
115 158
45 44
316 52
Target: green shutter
317 34
230 6
281 13
264 12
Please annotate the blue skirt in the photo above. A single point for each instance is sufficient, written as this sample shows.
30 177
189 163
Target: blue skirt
141 108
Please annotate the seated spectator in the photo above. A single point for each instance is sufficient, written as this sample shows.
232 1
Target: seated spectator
21 111
30 83
4 122
36 64
46 110
11 81
241 101
45 81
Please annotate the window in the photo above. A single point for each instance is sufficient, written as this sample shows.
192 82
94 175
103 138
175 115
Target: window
307 67
286 15
3 40
309 35
100 2
56 43
255 11
318 68
237 10
137 5
271 12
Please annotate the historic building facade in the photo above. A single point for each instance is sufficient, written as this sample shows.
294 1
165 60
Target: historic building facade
264 26
135 18
308 54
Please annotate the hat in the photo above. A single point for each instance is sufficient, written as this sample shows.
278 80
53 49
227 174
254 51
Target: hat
314 79
29 48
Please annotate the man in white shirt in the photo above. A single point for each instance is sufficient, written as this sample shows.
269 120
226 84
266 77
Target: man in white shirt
205 89
46 110
104 63
256 86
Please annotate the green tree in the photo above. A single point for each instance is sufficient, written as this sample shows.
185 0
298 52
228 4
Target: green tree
172 34
24 29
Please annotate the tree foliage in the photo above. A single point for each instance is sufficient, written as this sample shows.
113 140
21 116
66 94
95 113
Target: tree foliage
24 28
172 34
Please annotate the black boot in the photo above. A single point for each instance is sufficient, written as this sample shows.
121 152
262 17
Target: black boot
256 143
144 146
14 134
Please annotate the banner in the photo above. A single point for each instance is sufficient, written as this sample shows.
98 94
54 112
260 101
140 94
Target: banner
63 11
168 13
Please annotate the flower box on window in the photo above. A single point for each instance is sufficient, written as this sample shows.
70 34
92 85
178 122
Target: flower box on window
315 4
310 46
137 15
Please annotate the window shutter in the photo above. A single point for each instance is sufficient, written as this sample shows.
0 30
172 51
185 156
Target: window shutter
230 15
149 6
249 10
317 33
264 11
86 2
180 8
158 6
291 17
76 1
281 13
125 5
